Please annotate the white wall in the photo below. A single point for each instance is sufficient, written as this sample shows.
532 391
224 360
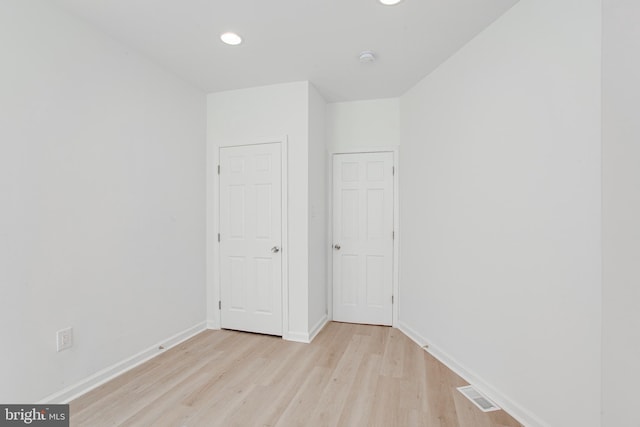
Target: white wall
317 212
621 213
501 207
363 125
101 201
249 116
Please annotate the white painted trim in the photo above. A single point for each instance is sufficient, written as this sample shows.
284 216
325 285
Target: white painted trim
380 149
213 228
212 325
412 334
284 151
83 386
514 409
396 240
329 222
396 227
212 248
318 327
302 337
307 337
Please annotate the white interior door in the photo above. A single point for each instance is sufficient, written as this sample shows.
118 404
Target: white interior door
250 238
363 238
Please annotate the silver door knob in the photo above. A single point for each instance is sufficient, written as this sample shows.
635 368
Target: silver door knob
275 249
337 247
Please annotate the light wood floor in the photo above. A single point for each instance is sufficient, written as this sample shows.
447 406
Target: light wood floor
351 375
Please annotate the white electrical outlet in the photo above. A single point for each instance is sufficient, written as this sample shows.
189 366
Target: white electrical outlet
64 339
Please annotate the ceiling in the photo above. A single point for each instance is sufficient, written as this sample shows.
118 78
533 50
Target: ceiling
293 40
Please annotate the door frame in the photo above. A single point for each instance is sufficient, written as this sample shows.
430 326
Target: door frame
213 227
396 226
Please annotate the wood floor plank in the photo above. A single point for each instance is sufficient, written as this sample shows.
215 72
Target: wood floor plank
334 396
306 399
362 394
152 372
392 363
351 375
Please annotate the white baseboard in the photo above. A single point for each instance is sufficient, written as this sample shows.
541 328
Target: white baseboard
307 337
78 389
515 410
297 337
318 327
411 333
211 324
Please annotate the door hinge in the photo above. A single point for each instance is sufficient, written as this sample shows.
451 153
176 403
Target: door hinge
393 170
218 169
218 237
219 305
392 299
393 235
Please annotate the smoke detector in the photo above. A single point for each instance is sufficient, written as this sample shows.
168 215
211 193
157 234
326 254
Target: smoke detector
367 56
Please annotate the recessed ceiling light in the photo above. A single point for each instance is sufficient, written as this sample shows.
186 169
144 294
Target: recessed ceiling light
389 2
231 38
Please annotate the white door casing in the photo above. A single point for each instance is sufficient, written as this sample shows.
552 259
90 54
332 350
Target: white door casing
363 235
251 238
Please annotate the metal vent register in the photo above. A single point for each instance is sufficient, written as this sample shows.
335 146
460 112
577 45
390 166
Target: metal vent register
480 400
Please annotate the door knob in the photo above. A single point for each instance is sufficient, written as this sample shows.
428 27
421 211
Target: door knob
337 247
275 249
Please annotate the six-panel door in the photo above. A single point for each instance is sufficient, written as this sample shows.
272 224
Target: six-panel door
250 238
363 238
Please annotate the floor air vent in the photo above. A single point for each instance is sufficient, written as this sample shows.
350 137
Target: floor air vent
478 399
